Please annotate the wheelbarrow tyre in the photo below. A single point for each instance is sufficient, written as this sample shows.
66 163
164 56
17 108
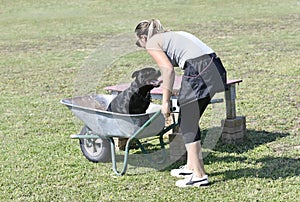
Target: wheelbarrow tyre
95 150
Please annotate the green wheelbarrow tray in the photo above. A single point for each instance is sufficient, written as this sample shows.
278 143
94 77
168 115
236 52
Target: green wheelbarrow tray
101 126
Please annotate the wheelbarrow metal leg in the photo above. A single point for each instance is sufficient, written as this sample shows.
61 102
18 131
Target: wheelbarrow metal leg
113 157
127 148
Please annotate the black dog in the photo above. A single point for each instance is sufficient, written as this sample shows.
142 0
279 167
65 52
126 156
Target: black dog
136 99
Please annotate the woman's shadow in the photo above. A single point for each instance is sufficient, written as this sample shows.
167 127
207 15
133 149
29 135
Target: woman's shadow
273 164
268 166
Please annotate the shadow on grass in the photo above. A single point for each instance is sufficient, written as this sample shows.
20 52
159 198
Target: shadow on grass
252 140
264 167
268 167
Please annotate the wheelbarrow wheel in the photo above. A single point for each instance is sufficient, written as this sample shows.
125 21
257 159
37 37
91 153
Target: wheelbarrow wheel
95 150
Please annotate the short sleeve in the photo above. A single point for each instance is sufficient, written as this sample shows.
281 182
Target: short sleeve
155 42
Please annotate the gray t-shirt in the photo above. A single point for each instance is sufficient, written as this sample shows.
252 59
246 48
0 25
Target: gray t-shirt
179 46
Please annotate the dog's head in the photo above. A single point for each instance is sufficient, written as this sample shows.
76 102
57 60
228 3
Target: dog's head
147 77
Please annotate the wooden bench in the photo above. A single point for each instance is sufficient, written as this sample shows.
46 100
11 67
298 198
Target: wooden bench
233 127
156 93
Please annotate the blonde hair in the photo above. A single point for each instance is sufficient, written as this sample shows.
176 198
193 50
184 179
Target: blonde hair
148 28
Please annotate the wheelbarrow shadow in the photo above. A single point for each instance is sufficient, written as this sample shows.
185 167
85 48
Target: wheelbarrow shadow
139 162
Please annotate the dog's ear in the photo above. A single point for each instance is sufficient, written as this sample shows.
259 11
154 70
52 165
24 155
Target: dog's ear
134 74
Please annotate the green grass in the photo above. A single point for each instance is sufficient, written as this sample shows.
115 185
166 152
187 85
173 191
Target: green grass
46 46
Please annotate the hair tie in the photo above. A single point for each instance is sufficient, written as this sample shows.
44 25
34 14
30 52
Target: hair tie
159 26
150 30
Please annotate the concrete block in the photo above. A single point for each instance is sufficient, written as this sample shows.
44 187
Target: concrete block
234 130
239 121
120 144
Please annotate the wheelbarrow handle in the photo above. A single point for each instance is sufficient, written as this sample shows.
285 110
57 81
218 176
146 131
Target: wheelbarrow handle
146 124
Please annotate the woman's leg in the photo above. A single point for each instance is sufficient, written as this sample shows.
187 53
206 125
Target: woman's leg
189 125
194 158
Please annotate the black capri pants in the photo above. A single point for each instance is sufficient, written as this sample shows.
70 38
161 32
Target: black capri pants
190 115
203 77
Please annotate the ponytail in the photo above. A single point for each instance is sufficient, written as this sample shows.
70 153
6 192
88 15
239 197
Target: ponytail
149 28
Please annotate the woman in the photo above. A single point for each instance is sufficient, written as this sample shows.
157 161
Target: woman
204 75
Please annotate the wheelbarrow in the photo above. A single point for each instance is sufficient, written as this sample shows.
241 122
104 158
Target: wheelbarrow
101 127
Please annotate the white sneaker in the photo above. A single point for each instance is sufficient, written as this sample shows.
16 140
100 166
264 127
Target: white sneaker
192 180
182 171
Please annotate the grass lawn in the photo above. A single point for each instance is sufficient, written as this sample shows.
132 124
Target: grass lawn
50 50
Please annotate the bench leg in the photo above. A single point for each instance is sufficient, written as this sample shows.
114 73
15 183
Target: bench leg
234 128
230 96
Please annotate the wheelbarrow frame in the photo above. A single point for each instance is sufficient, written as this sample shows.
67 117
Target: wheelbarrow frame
135 136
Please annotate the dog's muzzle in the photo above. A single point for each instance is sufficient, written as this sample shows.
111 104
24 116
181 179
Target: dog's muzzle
155 83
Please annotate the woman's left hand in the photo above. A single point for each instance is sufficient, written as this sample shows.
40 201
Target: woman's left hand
166 109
